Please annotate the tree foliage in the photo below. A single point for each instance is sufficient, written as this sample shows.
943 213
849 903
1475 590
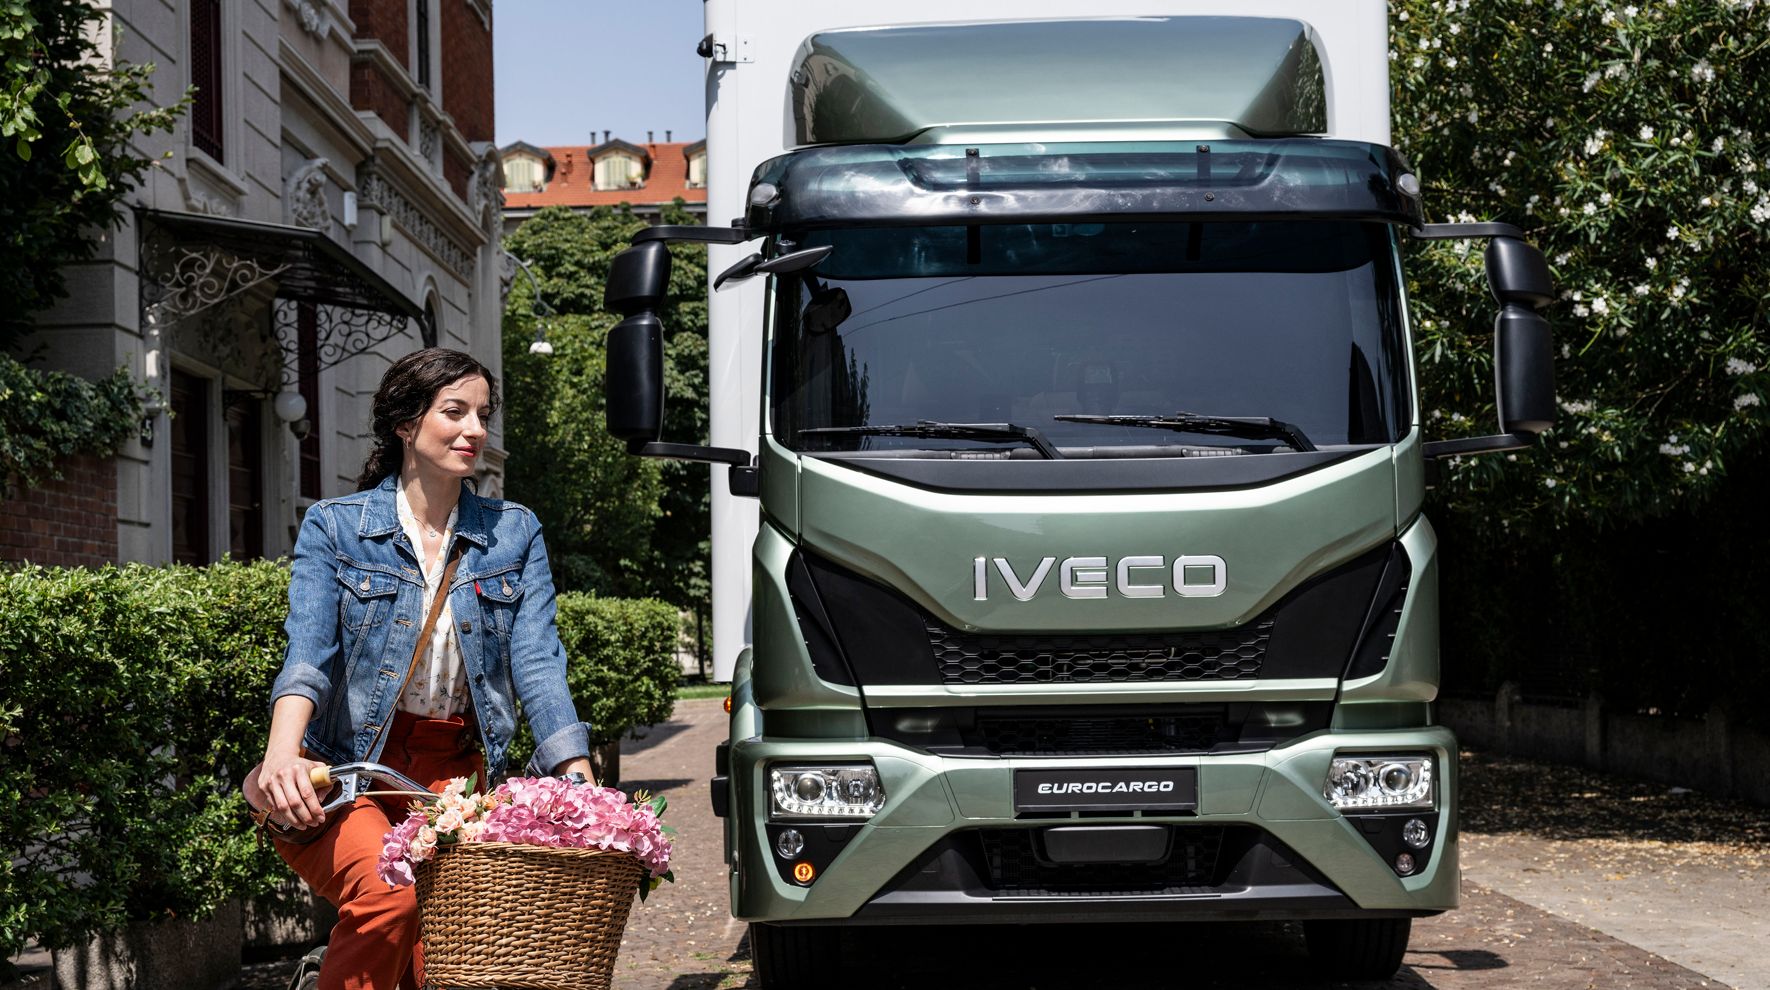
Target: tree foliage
64 95
1629 142
617 524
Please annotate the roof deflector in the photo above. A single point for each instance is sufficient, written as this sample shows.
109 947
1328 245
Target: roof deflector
1260 76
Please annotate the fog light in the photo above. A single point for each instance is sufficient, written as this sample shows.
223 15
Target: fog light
790 844
845 790
1415 834
1404 864
804 872
1379 782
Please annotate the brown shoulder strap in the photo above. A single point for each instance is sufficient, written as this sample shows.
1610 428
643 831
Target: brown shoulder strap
436 607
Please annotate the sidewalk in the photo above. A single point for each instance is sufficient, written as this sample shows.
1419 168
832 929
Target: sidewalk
1679 874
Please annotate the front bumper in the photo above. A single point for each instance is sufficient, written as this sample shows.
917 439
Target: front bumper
948 846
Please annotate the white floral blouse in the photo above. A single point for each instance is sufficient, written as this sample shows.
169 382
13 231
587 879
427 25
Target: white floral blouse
438 688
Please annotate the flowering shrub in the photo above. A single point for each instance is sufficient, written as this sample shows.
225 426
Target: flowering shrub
1629 141
535 811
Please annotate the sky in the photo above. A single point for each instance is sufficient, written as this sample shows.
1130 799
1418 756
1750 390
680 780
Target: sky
563 67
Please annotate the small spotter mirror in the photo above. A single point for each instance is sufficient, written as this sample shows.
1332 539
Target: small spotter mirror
796 261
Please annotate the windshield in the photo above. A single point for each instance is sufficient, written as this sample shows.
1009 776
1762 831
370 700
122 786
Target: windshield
1025 323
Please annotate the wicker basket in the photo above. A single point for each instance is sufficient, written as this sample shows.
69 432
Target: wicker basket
498 914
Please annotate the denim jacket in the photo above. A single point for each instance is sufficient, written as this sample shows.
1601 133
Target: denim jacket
356 598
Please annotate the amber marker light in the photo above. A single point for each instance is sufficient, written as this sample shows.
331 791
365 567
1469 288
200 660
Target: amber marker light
728 704
804 872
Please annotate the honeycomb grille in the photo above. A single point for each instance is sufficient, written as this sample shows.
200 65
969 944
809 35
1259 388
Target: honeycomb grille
1226 655
1017 870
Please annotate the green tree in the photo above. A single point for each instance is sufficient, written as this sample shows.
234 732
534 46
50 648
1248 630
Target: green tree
1628 141
67 116
617 524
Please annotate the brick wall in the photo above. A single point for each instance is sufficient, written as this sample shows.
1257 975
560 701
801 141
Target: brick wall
67 523
370 89
384 20
467 69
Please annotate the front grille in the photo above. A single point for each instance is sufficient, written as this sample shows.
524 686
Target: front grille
1128 735
1017 870
1226 655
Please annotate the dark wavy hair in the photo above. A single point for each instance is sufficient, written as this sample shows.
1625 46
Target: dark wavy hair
406 392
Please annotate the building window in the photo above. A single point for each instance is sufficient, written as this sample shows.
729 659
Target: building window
190 469
619 172
423 56
245 478
697 172
523 174
307 374
206 77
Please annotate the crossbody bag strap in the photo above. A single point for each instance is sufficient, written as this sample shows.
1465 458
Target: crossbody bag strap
436 607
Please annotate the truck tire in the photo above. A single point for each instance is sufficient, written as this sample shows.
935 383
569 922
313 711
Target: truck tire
793 958
1358 949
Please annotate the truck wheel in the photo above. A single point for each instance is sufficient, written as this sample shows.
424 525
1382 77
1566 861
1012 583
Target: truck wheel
1358 949
793 958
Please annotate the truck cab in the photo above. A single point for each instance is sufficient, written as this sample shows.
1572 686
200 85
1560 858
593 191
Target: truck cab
1087 578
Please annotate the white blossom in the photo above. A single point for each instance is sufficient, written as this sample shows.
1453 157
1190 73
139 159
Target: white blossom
1674 449
1577 407
1672 233
1646 132
1702 71
1740 366
1592 80
1761 211
1746 401
1601 306
1589 209
1653 263
1641 290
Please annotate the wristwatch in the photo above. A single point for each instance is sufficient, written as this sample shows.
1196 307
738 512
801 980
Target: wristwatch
576 777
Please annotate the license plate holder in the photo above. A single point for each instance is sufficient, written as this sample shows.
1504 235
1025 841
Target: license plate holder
1123 789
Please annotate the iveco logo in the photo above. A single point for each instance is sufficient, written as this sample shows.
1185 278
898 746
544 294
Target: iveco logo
1109 787
1089 577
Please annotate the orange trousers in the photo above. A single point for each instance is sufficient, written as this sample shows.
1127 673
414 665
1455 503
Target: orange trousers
375 943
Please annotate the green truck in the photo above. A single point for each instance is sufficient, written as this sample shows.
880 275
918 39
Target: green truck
1069 562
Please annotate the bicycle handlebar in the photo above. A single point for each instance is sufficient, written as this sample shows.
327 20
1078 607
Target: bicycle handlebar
339 787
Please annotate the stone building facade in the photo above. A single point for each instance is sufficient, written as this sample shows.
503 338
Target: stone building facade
330 202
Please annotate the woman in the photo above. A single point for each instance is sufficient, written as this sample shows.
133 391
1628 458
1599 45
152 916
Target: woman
378 670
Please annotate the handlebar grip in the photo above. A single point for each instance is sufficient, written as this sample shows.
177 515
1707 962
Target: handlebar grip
320 776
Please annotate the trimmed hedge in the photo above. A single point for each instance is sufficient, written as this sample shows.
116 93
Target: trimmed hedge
133 700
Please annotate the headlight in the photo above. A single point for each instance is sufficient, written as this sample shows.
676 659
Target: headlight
1380 782
847 791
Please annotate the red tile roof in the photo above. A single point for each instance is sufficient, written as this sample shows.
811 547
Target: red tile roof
572 171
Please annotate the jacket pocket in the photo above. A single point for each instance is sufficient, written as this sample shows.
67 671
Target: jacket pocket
499 597
368 596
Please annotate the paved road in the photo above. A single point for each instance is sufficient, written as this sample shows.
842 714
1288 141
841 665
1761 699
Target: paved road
1516 928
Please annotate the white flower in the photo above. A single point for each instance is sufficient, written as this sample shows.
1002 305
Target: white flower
1672 233
1749 186
1592 81
1581 310
1653 263
1646 132
1719 144
1604 198
1593 145
1689 467
1631 10
1702 71
1403 16
1456 29
1589 209
1578 407
1674 449
1746 401
1474 114
1641 290
1549 482
1601 306
1740 366
1761 211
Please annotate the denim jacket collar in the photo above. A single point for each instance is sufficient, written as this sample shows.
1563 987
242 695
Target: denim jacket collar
381 517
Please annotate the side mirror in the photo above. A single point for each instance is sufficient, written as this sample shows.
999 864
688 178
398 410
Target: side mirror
633 383
1523 349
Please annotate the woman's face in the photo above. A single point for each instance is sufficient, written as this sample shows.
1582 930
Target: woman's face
448 438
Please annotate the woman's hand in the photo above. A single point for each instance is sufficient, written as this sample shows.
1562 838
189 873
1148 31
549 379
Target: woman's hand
579 765
281 785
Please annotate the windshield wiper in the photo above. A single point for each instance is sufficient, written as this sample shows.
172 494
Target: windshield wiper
930 430
1245 427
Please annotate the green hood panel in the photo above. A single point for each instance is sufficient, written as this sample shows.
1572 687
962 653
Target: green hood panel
925 544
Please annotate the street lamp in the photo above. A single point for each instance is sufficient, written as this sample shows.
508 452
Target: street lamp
537 306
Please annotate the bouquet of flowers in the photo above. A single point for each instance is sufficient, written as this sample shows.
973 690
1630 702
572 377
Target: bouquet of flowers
536 811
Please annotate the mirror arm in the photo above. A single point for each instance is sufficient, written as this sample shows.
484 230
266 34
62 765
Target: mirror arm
1434 449
1463 231
732 456
697 233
